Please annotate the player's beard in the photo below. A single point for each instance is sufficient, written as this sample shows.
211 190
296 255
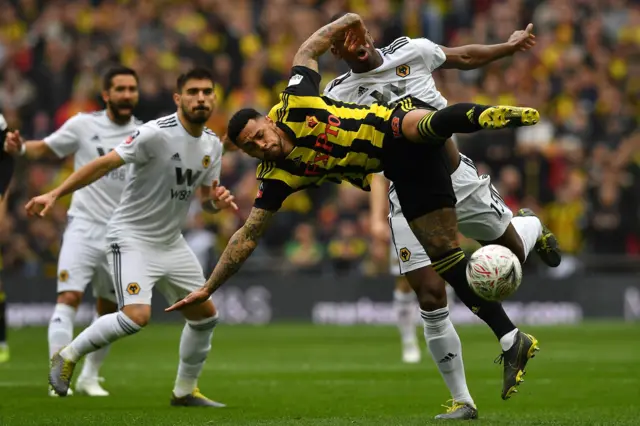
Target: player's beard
198 115
119 117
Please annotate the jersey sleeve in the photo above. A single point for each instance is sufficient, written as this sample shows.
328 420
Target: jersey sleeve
213 172
137 148
303 82
66 140
272 194
432 54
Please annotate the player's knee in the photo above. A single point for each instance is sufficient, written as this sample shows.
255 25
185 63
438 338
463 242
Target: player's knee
140 314
429 287
105 306
70 298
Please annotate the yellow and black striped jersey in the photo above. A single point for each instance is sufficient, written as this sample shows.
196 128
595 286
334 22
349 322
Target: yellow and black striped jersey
334 141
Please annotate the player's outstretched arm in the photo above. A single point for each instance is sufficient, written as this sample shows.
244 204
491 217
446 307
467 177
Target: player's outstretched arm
14 144
477 55
82 177
239 248
321 40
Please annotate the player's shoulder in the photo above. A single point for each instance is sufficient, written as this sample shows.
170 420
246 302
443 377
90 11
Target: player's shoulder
137 121
333 84
166 122
88 117
401 43
214 140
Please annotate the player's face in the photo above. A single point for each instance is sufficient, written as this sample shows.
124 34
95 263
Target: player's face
356 60
197 100
122 97
260 139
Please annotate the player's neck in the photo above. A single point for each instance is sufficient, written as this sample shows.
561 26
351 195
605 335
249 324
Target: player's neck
120 121
373 62
287 144
194 129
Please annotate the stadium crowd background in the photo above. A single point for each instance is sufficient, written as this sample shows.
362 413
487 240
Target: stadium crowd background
579 168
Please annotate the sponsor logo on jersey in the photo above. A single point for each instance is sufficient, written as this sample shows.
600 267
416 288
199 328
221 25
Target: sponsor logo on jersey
206 160
187 176
332 128
133 288
312 121
63 276
132 137
176 157
395 127
405 254
362 90
95 138
403 70
296 79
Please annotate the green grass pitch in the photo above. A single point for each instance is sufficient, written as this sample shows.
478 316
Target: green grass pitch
289 374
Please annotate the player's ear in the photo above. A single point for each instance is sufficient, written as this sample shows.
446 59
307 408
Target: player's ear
105 96
335 52
176 99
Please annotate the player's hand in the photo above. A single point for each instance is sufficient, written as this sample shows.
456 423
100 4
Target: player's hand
222 197
523 40
356 37
40 205
194 298
13 142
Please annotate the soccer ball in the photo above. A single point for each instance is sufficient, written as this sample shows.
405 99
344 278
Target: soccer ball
494 273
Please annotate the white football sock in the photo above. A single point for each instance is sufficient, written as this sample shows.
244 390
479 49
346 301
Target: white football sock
61 327
94 361
404 307
508 339
530 229
444 345
106 329
195 344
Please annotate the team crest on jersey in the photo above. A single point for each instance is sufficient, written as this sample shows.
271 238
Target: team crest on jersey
206 160
63 276
395 127
405 254
403 70
132 137
133 288
312 121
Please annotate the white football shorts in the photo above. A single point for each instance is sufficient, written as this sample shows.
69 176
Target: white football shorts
482 216
82 259
137 267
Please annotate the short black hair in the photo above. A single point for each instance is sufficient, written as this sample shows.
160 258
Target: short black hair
198 73
238 121
107 78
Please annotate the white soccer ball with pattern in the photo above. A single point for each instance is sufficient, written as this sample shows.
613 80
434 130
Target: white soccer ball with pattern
494 273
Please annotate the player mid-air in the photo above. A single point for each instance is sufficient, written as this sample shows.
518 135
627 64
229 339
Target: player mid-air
6 171
307 140
170 159
83 259
389 75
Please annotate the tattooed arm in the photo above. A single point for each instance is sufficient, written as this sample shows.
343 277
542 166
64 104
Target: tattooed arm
321 40
240 247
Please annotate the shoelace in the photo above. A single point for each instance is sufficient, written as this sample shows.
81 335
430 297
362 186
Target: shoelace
454 406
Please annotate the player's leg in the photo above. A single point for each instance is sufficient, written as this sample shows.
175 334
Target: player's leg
434 127
183 276
483 216
135 271
4 347
440 335
106 303
404 304
404 307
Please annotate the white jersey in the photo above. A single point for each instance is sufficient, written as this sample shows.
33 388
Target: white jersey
89 136
167 164
405 71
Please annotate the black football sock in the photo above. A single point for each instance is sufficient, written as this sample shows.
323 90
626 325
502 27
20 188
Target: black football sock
452 267
458 118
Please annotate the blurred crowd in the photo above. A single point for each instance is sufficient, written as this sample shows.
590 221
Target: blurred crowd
579 168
